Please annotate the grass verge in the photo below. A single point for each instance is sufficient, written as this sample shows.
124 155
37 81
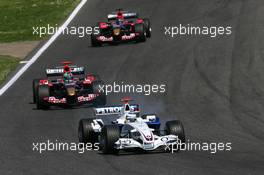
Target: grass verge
7 64
18 17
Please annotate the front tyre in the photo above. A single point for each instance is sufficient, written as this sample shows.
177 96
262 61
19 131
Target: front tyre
35 84
175 127
148 27
42 92
109 135
141 31
94 41
86 133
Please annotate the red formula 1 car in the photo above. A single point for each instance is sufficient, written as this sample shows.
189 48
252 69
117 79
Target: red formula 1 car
122 26
67 86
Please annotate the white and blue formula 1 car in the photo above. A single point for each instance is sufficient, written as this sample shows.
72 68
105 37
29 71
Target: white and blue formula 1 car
129 131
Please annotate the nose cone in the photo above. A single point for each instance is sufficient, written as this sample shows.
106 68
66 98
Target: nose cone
71 91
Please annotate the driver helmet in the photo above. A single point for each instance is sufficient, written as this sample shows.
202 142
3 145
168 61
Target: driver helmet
120 18
131 117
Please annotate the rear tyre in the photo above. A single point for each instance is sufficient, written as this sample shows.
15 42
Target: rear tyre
35 84
98 88
140 29
109 135
42 92
147 27
86 133
96 77
175 127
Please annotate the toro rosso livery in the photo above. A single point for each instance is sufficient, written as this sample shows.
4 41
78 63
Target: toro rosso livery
66 86
122 26
129 131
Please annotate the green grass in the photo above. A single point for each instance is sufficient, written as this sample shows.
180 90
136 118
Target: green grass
17 17
7 64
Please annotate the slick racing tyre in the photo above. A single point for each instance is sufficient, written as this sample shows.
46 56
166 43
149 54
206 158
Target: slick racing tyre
42 92
94 41
35 84
96 77
140 29
86 133
147 27
175 127
109 135
98 88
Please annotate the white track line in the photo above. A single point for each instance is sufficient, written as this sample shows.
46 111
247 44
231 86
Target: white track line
23 62
42 49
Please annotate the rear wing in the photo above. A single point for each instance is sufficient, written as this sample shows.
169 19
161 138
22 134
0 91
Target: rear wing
127 15
114 110
58 71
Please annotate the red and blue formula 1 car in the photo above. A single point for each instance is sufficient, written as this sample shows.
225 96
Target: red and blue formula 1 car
122 26
68 85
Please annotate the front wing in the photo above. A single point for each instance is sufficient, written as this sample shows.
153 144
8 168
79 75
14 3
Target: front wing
80 99
162 141
130 37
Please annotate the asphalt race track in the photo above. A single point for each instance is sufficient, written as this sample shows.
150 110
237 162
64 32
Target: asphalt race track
214 85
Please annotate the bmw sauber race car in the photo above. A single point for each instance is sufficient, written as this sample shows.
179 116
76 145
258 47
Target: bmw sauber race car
122 26
130 131
67 85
